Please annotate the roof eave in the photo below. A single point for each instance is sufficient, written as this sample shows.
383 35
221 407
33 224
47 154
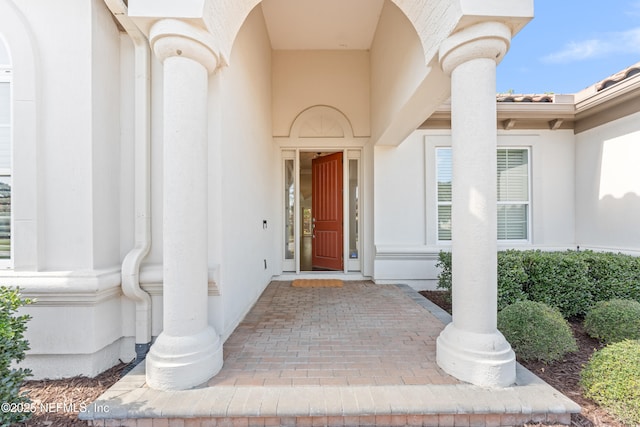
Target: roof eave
512 115
589 103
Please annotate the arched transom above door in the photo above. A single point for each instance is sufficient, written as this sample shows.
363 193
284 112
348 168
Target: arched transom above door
321 121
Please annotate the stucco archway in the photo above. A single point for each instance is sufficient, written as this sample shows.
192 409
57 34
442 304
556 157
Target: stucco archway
429 19
14 30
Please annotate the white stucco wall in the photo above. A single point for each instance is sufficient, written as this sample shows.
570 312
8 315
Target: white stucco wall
553 185
78 82
67 195
247 180
65 132
126 150
105 137
303 79
608 186
80 339
400 193
398 66
406 209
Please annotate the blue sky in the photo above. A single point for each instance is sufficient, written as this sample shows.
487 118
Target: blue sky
570 45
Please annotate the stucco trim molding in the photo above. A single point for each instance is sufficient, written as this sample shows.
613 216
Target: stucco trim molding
151 280
66 288
483 40
391 252
625 251
172 37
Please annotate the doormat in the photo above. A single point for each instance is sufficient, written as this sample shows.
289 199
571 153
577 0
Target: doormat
317 283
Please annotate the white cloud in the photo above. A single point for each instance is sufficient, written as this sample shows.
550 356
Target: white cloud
624 42
577 51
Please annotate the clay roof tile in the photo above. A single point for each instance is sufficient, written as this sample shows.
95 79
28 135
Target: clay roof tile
524 98
618 77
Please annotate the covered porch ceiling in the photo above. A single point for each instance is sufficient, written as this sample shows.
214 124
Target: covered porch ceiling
321 24
408 84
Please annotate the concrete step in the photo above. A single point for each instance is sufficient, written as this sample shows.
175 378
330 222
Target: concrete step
131 403
343 421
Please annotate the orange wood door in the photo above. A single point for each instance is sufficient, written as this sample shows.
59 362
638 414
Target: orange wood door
327 213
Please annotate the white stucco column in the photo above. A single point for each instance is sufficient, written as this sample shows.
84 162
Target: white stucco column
188 351
471 348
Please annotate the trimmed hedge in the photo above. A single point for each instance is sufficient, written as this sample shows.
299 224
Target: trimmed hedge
13 346
572 281
614 320
612 379
536 331
511 276
559 279
511 279
614 276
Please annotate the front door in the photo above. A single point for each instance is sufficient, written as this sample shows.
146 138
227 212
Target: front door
327 211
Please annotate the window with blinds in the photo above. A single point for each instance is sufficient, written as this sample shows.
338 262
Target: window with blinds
5 165
444 174
513 193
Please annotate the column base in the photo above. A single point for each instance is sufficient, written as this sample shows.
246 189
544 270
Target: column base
485 360
181 363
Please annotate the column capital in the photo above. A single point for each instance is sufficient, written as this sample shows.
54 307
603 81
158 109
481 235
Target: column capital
176 38
483 40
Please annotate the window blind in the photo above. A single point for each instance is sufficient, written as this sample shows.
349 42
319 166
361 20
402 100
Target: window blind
5 170
5 126
513 193
444 174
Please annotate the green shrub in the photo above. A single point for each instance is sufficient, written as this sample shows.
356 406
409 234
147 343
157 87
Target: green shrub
614 276
559 279
572 281
536 331
444 264
614 320
612 379
511 278
13 346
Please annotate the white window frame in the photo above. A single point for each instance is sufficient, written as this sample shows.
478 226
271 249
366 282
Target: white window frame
7 77
438 202
527 203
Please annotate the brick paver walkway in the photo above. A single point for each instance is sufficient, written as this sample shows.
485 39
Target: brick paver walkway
360 334
361 355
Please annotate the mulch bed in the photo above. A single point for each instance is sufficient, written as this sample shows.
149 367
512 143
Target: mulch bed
58 402
564 375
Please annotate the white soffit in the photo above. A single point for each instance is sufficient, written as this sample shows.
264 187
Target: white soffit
321 24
